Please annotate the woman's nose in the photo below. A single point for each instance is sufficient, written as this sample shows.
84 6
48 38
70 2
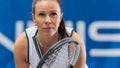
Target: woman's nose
48 20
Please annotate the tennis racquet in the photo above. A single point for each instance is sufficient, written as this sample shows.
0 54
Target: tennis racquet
63 54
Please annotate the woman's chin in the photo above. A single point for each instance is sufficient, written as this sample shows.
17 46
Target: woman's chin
48 34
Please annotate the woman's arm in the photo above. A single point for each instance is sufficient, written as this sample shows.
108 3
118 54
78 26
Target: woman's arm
20 52
82 56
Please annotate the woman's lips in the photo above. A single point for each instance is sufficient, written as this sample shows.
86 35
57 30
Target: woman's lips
48 28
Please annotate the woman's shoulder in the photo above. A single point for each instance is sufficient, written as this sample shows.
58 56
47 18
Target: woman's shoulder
21 42
21 37
78 38
20 48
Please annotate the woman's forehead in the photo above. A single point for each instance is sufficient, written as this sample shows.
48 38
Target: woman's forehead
47 5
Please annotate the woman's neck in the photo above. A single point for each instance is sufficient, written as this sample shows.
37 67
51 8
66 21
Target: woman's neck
47 41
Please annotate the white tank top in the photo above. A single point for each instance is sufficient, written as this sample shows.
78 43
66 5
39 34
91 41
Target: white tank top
33 57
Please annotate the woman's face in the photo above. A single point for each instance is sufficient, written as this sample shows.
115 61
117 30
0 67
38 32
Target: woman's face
47 16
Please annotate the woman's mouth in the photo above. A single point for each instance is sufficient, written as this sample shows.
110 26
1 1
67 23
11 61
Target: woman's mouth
48 29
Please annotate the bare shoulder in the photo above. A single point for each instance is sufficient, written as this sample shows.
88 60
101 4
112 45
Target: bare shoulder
82 55
20 52
78 38
20 46
21 41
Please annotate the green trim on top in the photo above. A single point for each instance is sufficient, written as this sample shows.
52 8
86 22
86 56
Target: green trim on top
36 32
71 32
28 45
37 46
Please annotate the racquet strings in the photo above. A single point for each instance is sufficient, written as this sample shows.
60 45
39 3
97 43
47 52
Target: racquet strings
63 54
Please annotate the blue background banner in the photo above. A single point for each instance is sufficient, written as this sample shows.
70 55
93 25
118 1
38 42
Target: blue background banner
96 21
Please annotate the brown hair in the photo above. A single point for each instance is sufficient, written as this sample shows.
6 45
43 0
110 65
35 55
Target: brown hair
61 29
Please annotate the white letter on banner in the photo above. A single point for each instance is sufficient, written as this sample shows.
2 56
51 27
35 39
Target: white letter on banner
69 23
30 23
80 28
111 52
19 27
95 26
6 42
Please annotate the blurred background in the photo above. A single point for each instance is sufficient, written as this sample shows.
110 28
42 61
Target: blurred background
96 21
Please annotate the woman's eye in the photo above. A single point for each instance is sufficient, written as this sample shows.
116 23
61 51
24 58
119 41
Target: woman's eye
53 14
41 14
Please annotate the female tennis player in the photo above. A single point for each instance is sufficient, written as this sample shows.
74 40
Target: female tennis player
48 43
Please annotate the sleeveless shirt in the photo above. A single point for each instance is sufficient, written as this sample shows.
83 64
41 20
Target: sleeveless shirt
33 57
